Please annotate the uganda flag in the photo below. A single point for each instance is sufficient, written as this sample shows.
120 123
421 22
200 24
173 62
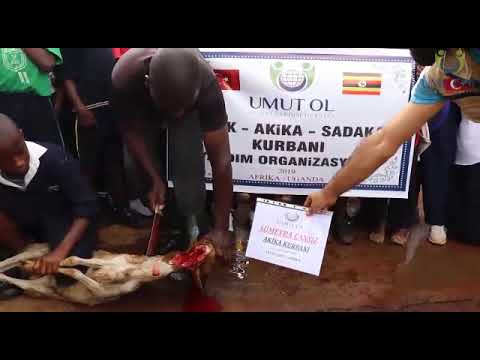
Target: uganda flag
362 83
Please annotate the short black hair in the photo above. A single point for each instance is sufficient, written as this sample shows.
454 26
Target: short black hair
175 77
8 128
424 56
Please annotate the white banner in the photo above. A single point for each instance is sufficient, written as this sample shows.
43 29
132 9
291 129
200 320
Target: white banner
296 115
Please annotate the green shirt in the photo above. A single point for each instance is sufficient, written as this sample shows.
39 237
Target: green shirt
18 74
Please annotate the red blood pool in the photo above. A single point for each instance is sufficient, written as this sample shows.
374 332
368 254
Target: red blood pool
195 301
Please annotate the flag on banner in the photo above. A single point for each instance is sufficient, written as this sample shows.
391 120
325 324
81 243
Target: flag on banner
362 83
228 79
118 52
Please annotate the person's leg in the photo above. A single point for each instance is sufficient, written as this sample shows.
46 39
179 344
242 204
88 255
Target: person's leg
12 240
109 166
435 180
66 118
11 236
345 213
40 120
403 213
187 169
472 205
456 206
86 143
436 164
137 185
373 209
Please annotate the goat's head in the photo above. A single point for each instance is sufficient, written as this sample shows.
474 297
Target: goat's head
199 259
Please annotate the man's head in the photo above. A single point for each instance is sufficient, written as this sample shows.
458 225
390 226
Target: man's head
14 155
175 79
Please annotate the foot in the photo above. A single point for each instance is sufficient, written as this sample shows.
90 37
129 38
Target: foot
400 237
378 235
438 236
137 206
345 230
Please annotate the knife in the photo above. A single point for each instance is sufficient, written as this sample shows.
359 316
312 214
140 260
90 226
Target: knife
152 243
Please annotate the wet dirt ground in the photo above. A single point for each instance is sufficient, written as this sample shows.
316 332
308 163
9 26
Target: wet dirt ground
361 277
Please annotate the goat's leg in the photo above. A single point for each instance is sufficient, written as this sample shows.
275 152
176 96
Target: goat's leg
75 261
90 284
33 253
39 286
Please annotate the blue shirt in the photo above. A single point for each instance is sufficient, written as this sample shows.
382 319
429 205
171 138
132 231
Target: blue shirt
424 93
57 188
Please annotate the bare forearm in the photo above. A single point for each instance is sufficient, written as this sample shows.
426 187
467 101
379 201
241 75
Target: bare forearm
369 155
223 193
74 235
59 100
379 147
41 57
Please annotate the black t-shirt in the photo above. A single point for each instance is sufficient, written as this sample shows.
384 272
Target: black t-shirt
91 69
132 100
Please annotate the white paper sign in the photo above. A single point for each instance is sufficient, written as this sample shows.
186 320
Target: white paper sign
296 115
283 235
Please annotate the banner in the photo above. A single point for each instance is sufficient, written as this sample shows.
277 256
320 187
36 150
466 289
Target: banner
296 115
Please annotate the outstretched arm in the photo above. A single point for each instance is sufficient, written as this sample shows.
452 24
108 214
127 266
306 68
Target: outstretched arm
372 153
218 149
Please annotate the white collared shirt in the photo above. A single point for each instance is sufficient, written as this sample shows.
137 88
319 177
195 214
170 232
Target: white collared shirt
36 152
468 142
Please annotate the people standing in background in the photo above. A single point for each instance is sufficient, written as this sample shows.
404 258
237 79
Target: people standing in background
395 217
345 219
135 175
86 75
26 88
464 199
435 169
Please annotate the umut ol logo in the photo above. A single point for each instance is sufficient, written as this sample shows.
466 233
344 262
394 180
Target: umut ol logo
293 76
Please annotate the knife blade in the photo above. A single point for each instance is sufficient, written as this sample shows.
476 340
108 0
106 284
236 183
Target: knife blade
153 241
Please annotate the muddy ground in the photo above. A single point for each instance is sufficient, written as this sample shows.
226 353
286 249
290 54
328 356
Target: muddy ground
361 277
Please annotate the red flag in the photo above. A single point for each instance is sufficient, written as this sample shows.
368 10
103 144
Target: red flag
118 52
228 79
456 85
